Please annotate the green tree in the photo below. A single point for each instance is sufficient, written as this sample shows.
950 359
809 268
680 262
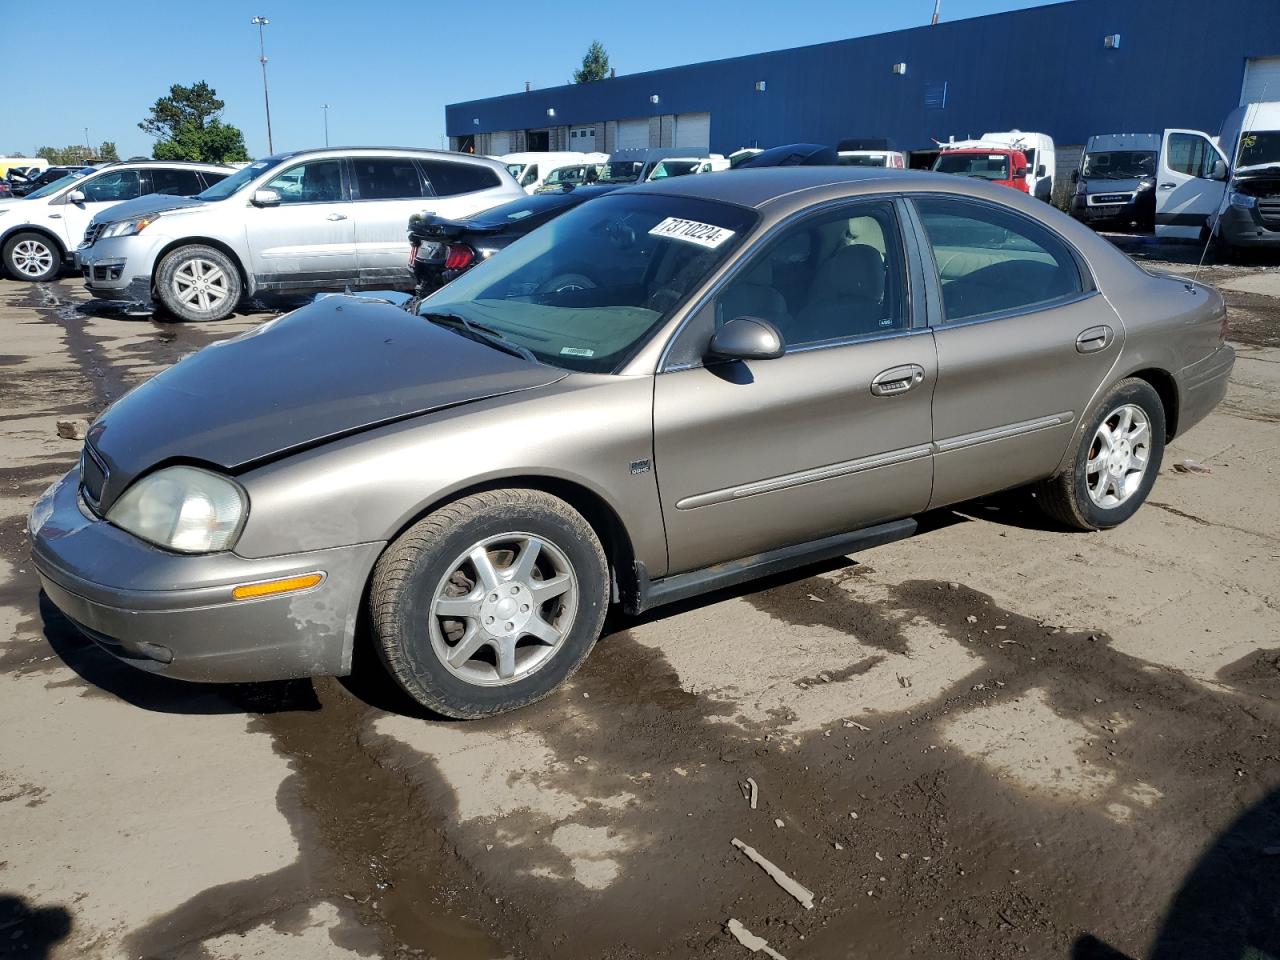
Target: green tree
187 125
108 151
595 65
76 153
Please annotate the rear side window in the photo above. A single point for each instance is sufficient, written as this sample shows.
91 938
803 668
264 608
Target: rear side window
113 186
175 183
387 178
991 260
449 179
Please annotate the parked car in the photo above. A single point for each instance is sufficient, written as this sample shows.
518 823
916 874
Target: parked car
1229 189
1041 157
6 190
683 166
870 152
532 169
1116 181
38 232
751 384
441 249
792 155
995 164
306 220
44 178
634 165
562 178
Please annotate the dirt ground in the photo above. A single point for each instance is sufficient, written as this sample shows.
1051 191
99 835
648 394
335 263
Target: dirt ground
995 739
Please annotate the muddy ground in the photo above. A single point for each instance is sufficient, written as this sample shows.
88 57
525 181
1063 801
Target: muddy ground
996 739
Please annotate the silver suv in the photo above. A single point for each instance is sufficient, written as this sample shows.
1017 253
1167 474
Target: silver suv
306 220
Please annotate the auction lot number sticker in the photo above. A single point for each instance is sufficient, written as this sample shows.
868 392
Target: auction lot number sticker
691 231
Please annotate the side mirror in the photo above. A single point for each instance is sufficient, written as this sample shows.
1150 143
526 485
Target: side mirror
75 196
1219 171
265 198
746 338
1041 170
1020 172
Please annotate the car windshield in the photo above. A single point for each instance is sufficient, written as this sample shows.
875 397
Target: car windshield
673 168
566 175
584 290
60 183
1258 147
1119 165
225 188
622 171
518 210
862 160
985 166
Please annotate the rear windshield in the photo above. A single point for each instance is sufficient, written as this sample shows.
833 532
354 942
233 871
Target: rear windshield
984 166
1119 165
517 210
862 160
586 289
225 188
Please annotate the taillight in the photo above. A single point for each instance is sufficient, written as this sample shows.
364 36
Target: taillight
458 256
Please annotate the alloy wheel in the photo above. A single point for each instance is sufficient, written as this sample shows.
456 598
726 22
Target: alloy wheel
503 609
31 258
200 284
1118 456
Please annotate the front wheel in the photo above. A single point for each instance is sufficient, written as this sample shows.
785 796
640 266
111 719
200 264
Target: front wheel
198 283
32 256
1115 464
490 603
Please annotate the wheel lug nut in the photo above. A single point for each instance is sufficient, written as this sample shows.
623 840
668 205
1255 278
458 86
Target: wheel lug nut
510 627
493 597
524 608
514 591
488 619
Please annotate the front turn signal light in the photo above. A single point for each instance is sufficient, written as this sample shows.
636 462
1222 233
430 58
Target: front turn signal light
271 588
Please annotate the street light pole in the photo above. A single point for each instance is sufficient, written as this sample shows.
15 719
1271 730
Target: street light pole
261 22
325 107
937 9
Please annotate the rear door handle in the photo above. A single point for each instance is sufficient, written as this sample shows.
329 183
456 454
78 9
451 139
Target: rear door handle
1094 339
896 380
336 216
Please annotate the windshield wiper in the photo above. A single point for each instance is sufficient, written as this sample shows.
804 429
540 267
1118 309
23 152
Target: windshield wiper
478 331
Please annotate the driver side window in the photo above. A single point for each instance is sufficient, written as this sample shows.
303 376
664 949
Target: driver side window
112 187
319 181
836 276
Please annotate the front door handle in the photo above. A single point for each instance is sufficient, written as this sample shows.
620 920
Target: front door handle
896 380
336 216
1094 339
1167 186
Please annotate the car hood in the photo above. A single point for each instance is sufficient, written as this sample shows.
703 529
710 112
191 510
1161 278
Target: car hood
327 370
142 206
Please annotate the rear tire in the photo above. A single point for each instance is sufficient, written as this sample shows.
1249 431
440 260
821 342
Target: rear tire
1115 463
198 283
32 256
489 603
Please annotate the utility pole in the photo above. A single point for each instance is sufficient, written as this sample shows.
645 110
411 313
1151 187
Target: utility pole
325 108
261 22
937 9
88 150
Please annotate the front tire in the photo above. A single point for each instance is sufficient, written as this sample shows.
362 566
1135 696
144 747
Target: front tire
489 603
32 256
1115 464
198 283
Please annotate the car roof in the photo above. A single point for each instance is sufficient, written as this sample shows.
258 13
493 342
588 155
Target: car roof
756 187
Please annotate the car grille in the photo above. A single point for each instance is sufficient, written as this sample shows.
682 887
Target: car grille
93 476
1269 209
91 235
1103 198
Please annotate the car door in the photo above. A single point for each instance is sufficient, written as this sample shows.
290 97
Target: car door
101 190
386 191
833 435
1188 193
305 237
1024 340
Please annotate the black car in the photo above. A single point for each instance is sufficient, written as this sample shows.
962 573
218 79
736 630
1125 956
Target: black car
443 249
23 187
793 155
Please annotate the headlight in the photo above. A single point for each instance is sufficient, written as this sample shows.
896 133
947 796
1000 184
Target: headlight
126 228
184 509
1242 200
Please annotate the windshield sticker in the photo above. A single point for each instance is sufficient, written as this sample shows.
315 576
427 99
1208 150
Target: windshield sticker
691 231
995 156
576 352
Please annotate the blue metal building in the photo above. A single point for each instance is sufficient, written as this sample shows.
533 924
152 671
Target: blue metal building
1069 69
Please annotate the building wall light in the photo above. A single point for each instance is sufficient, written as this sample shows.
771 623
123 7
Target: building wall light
760 86
899 69
475 121
1111 41
551 111
655 99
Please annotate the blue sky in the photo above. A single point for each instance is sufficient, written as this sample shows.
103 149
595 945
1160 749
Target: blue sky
386 67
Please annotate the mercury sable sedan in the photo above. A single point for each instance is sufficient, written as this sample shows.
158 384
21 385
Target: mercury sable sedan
756 370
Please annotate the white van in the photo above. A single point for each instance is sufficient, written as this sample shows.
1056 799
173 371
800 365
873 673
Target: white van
1041 158
1228 186
531 169
682 166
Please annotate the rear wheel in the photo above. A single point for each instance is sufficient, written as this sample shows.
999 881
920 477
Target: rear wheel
1116 463
198 283
32 256
490 603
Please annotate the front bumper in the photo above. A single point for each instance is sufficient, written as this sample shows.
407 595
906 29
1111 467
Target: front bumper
173 614
119 268
1247 228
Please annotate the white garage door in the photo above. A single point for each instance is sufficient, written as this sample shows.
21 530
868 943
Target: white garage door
633 134
499 143
693 131
1261 80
